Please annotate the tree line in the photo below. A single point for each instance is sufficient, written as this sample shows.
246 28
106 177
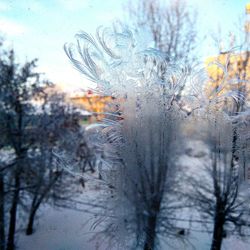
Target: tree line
35 123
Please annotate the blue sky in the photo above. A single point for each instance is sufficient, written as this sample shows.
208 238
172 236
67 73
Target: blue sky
39 28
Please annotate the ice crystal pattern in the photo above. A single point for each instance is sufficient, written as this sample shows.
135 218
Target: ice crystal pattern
141 137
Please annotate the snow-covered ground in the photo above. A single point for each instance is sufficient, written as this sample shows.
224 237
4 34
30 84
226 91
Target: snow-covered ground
192 162
58 230
62 229
65 229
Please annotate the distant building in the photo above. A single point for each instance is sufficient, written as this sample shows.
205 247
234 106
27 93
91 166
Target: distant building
231 69
97 105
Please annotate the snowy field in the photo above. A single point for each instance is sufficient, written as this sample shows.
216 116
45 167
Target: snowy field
61 229
70 230
65 229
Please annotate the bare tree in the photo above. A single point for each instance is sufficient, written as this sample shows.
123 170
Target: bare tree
139 149
220 197
33 125
172 25
19 83
55 121
143 182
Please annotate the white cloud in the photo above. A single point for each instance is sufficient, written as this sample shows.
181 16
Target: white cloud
12 28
